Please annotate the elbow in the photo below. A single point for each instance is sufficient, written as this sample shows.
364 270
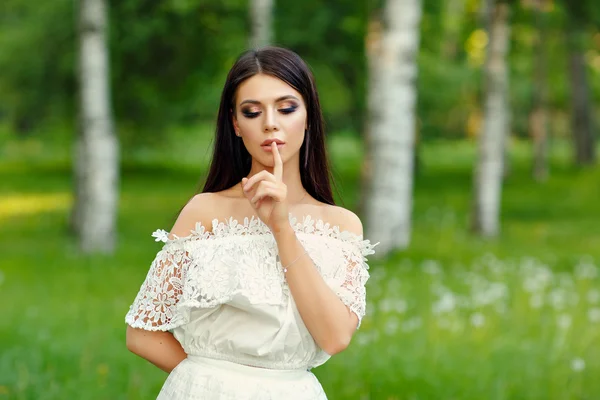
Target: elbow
336 345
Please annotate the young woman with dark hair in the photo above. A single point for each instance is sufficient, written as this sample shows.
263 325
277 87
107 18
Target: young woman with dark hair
262 277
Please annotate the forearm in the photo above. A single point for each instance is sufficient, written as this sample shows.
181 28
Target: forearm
327 318
159 348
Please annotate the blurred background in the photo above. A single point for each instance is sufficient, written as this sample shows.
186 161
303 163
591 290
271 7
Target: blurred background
463 132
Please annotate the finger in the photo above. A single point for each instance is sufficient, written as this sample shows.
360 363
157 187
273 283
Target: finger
278 163
273 193
262 188
263 175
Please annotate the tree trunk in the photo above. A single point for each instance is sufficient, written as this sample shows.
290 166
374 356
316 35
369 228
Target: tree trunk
261 12
96 158
538 119
581 117
391 131
490 165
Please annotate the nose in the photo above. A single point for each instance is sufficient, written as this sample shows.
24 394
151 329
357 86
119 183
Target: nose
270 121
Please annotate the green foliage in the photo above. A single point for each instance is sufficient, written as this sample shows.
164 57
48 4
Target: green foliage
37 62
169 60
452 317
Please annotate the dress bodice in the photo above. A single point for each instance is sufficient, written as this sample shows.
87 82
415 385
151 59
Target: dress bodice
223 293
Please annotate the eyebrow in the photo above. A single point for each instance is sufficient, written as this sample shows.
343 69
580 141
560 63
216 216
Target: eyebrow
277 100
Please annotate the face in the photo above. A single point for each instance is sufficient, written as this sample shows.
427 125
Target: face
268 108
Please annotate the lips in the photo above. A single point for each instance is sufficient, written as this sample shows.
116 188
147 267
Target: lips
269 141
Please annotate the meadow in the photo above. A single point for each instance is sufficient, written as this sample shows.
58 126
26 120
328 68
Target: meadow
452 317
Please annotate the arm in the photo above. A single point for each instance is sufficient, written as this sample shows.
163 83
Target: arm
152 312
328 319
159 348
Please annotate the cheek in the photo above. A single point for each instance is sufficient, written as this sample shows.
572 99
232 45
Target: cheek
297 124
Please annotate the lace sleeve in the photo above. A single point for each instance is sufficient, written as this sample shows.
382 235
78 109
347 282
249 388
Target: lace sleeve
154 307
351 276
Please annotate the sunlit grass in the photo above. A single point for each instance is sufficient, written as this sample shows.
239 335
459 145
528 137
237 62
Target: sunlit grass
453 317
22 205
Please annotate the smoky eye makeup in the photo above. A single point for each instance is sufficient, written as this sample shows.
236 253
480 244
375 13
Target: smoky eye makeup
288 108
250 112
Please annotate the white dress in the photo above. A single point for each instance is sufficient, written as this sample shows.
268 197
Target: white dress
224 297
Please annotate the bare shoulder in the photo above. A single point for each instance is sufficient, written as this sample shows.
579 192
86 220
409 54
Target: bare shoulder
193 212
344 218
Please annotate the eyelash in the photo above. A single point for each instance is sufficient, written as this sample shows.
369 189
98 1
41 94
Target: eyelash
285 111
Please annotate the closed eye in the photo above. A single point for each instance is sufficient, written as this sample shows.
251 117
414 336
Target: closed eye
288 110
249 114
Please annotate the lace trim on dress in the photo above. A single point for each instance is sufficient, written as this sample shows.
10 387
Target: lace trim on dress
255 226
203 271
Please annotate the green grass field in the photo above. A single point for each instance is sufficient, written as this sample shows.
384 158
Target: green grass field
452 317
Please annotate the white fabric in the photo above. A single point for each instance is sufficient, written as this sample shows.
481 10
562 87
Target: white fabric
200 378
224 296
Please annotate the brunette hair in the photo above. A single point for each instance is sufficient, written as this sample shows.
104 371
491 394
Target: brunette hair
230 159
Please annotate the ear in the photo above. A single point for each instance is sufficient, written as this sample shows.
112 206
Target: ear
234 121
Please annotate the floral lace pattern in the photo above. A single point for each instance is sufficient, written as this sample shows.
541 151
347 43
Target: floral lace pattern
207 269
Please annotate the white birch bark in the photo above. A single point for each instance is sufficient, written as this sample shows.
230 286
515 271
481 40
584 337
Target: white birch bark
490 164
261 13
391 131
96 158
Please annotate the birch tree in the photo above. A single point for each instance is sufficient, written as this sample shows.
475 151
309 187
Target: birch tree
261 16
391 124
489 169
96 157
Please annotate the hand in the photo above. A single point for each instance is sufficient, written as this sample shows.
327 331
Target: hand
268 194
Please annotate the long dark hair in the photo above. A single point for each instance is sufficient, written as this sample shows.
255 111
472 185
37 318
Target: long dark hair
230 159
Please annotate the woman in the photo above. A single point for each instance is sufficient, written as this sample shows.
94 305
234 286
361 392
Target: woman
262 277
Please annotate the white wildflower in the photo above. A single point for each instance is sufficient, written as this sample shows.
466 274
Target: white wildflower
391 326
363 339
431 267
412 324
477 320
558 299
536 301
161 235
394 285
446 303
490 294
377 274
537 279
400 306
577 364
586 269
593 296
566 280
594 314
564 321
386 305
371 308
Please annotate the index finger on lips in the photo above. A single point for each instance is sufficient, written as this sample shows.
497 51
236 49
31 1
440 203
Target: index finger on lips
278 167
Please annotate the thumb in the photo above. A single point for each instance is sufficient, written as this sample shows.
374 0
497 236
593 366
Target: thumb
244 180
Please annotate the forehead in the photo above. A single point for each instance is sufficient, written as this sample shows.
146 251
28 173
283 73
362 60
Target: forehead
264 88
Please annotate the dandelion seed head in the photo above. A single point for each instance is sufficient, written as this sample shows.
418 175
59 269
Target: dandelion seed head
594 315
477 320
578 364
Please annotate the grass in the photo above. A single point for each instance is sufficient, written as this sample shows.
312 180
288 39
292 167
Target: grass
452 317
